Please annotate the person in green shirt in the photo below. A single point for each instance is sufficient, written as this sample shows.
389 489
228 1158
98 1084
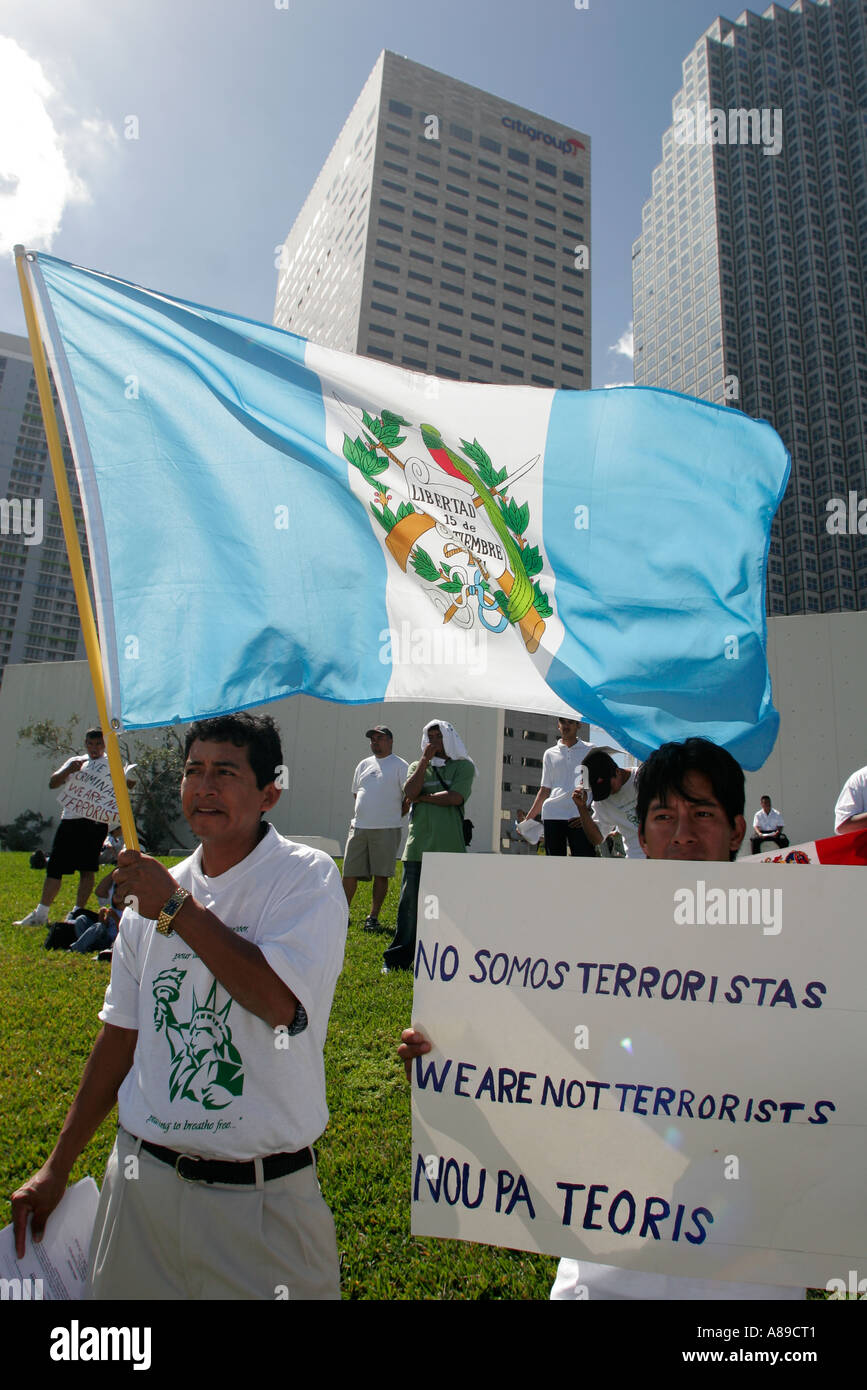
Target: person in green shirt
437 787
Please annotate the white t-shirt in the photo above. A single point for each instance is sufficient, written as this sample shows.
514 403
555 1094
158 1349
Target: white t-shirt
766 822
559 765
378 784
617 812
208 1076
853 798
607 1283
88 794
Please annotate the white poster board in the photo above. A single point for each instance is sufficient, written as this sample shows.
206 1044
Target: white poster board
635 1065
89 792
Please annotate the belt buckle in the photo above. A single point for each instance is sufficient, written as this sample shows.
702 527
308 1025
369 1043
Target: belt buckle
193 1158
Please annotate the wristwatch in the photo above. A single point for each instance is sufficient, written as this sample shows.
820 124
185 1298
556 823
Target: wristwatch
170 910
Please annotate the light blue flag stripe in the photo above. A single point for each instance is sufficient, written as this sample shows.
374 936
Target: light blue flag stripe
214 611
663 594
205 428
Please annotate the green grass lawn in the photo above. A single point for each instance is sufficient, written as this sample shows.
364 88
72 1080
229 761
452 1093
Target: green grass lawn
48 1005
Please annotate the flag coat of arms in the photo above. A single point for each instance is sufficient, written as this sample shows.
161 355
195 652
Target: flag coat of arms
267 517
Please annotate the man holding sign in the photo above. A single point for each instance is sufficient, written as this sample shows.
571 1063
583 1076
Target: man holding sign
88 806
690 807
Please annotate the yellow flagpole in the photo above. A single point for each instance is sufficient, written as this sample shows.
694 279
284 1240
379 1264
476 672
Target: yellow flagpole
73 550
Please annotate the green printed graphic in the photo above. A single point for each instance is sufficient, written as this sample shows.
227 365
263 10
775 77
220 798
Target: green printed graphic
205 1065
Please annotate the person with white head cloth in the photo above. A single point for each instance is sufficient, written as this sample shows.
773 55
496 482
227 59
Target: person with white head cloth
438 784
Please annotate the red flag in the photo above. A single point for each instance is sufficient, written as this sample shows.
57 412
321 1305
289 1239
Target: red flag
836 849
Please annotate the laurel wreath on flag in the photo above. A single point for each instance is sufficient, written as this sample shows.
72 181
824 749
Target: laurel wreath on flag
371 455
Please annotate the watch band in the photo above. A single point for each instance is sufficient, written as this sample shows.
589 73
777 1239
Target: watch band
170 910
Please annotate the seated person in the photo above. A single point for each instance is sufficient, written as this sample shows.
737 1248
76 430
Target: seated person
767 825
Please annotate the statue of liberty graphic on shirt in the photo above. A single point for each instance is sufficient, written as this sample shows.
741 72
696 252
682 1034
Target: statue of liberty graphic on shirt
205 1064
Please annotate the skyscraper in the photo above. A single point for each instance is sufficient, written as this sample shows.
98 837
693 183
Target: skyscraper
38 613
448 233
445 234
750 274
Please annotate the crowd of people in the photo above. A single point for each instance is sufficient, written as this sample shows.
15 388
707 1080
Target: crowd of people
222 979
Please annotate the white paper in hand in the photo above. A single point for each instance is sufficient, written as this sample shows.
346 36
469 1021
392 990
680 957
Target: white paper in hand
56 1266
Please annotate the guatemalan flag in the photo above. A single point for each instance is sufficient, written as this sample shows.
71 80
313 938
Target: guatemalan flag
267 517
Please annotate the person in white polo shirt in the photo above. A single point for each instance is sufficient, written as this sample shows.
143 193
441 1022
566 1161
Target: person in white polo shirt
767 825
375 828
213 1028
554 798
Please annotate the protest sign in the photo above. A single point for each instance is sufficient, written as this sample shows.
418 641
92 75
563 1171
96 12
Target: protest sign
89 792
652 1065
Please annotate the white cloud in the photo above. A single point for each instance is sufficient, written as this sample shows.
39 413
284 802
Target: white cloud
38 159
608 384
625 344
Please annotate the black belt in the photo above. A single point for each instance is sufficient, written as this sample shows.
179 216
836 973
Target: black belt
194 1169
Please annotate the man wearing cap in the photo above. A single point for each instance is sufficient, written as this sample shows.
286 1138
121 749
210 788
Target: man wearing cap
615 793
375 828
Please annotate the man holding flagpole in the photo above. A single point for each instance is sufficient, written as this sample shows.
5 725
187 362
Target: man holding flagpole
213 1027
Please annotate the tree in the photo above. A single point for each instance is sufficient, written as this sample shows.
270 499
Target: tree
25 832
156 801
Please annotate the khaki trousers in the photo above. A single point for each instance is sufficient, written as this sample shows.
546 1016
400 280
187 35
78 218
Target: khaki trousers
157 1236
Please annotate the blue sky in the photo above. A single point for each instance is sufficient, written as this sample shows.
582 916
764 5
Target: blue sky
238 102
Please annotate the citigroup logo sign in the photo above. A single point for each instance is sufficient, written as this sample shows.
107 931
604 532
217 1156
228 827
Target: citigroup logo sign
567 146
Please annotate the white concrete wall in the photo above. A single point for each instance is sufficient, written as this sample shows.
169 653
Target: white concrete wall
818 665
322 743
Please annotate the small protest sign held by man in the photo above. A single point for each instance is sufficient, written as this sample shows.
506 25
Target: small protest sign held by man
89 807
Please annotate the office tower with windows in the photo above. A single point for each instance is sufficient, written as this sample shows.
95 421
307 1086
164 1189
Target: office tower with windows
38 614
448 233
750 273
445 234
